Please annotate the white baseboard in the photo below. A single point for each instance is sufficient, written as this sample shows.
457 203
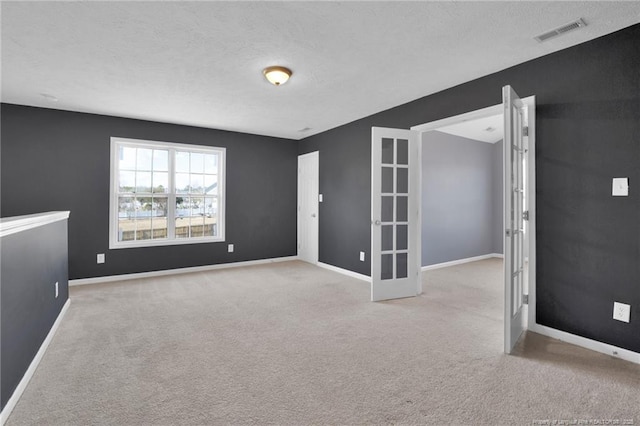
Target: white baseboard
17 393
112 278
584 342
461 261
344 272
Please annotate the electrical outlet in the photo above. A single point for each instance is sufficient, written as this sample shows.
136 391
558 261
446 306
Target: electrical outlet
56 289
100 258
230 248
361 256
621 311
620 187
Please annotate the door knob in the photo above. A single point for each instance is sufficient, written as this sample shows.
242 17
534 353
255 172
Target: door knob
377 223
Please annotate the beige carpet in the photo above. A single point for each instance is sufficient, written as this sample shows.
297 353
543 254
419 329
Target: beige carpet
294 344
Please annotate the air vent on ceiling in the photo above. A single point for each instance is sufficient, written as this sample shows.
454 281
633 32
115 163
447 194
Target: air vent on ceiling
561 30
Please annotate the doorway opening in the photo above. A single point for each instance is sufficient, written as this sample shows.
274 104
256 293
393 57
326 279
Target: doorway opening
396 217
479 185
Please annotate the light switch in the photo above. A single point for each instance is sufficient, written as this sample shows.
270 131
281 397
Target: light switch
620 187
319 198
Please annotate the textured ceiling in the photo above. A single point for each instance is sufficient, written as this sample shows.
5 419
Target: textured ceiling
199 63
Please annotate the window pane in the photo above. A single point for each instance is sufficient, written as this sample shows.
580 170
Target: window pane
197 184
197 162
197 216
387 179
143 182
182 162
144 208
214 206
126 181
211 184
126 221
387 237
182 183
143 159
387 209
126 158
387 151
210 211
403 151
159 218
160 160
402 209
183 212
211 163
197 206
402 237
386 267
161 182
401 265
403 181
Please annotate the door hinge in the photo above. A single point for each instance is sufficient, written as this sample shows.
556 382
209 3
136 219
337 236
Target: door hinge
525 299
525 131
525 215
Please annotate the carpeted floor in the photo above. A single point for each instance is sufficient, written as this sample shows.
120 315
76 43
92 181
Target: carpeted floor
290 343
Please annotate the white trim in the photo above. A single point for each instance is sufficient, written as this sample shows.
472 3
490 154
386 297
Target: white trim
151 274
530 102
460 118
17 393
171 195
344 272
461 261
15 224
584 342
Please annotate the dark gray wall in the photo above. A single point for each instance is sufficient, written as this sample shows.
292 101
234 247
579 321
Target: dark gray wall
58 160
497 231
458 193
588 131
31 263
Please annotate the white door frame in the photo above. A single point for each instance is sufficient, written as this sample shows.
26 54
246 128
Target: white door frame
531 182
313 220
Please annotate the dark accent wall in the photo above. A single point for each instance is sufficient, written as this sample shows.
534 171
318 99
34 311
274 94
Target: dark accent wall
458 197
59 160
32 262
588 131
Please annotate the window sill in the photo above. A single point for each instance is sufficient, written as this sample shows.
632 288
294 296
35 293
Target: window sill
160 243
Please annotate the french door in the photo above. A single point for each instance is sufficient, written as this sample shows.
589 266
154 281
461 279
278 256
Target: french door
515 151
395 252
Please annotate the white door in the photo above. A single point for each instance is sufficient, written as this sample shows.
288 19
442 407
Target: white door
514 238
308 188
395 214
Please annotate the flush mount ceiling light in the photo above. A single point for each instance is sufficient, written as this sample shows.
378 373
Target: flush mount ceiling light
277 75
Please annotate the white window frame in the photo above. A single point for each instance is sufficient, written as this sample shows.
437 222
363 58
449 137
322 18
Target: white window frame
116 142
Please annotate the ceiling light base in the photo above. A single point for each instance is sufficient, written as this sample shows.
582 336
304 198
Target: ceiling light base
277 75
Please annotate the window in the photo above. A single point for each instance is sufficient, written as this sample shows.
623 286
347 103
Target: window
165 193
